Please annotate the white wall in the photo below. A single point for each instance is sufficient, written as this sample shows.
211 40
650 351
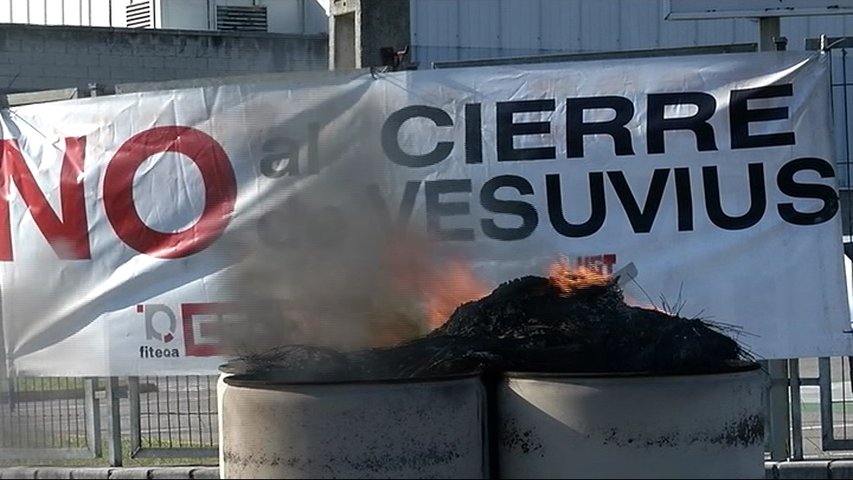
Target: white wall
59 12
284 16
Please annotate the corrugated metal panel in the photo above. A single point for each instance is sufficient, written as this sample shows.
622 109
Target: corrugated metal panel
520 24
478 24
746 30
425 55
435 23
466 29
516 27
561 26
640 27
600 25
798 28
676 34
715 31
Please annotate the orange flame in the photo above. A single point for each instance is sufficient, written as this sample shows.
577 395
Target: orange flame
438 288
448 288
571 279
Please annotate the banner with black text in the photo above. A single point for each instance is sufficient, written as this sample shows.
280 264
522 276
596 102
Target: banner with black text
127 222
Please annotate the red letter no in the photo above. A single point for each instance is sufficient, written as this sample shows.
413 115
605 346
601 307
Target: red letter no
69 237
220 191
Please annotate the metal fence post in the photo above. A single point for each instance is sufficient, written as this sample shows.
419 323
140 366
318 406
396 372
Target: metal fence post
114 451
93 417
796 410
825 381
135 427
779 414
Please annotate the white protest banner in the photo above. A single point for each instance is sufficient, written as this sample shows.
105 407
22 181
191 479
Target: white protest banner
129 221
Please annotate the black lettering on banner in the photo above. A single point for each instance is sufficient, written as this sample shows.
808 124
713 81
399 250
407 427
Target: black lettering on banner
525 211
740 116
641 219
598 209
698 123
391 144
473 133
576 128
279 157
684 199
435 208
789 186
757 198
507 129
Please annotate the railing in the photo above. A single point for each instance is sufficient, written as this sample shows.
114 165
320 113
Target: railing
176 417
49 418
110 419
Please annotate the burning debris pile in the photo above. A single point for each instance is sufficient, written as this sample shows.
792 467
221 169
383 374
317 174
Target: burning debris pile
574 321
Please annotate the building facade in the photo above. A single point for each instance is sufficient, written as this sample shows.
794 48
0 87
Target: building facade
273 16
450 30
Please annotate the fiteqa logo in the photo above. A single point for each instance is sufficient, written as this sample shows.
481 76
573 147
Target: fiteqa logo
160 326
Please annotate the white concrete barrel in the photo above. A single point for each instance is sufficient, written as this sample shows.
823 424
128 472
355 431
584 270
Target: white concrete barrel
680 426
430 428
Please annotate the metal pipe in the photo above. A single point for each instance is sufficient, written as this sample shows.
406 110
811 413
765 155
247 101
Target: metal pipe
768 31
114 452
779 409
796 410
826 423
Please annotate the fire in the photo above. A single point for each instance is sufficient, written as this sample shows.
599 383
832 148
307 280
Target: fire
570 279
449 287
438 287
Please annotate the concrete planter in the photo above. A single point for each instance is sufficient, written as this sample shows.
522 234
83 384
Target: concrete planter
429 428
679 426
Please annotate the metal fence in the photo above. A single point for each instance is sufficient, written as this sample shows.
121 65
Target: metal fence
833 379
173 417
49 417
108 419
115 420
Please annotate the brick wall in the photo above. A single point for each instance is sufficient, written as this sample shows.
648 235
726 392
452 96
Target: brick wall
34 57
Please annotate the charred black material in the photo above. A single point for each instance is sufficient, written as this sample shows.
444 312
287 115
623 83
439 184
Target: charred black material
527 325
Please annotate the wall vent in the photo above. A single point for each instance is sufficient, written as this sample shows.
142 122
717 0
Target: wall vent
242 19
138 15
